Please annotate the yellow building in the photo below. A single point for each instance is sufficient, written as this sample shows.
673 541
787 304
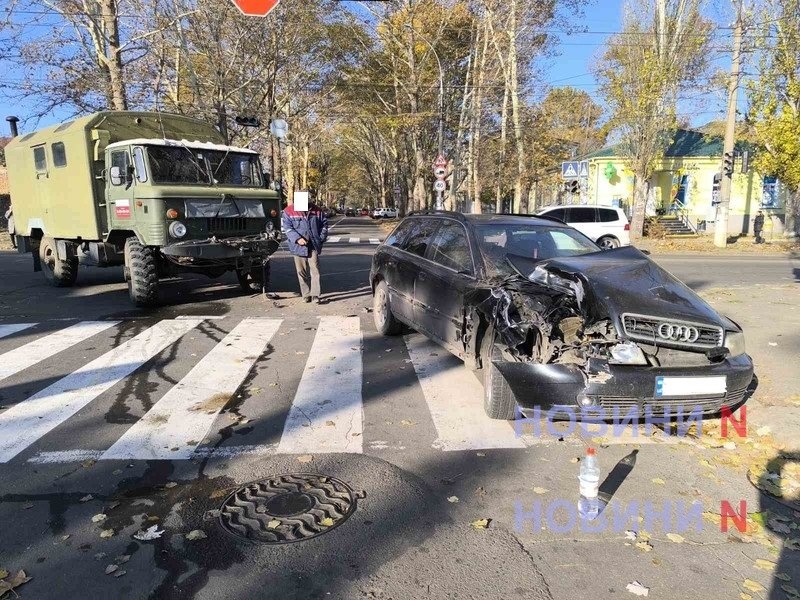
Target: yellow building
689 173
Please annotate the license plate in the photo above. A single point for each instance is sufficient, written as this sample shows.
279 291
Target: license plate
690 386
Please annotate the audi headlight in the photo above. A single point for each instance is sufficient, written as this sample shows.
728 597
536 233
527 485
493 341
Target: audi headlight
734 342
627 353
177 229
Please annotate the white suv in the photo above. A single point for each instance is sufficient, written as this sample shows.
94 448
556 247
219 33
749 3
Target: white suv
384 213
606 225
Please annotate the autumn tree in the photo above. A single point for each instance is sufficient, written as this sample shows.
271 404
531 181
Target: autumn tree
660 52
774 97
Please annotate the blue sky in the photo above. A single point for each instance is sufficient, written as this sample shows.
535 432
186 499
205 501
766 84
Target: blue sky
572 65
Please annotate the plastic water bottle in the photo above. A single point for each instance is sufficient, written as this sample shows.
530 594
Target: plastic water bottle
589 504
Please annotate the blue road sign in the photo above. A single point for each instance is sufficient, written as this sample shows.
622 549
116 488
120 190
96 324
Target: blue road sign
569 169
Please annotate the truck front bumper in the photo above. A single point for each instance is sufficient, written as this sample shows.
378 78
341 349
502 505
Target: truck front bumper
216 249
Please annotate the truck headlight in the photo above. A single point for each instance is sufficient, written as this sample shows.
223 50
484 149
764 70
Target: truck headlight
734 342
627 353
177 229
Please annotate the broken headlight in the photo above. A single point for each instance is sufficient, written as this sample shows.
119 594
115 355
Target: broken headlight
734 342
627 353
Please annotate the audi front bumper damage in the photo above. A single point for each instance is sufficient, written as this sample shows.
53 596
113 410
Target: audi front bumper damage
569 341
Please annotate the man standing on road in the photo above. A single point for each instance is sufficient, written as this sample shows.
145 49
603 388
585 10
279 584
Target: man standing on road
306 230
758 227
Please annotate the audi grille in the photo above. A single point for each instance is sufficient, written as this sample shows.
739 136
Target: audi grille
661 331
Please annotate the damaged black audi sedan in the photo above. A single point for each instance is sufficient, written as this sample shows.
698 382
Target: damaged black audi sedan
551 321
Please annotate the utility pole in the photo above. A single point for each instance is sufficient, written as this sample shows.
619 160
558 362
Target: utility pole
721 226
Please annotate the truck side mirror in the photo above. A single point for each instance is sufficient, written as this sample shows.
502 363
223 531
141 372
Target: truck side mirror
116 175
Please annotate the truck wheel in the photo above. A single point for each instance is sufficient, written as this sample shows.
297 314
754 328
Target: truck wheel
385 322
498 399
59 273
142 266
251 280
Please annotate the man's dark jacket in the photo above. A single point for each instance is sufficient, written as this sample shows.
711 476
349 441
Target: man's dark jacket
311 225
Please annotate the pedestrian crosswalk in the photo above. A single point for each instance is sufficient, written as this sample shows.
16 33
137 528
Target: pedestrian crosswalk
337 239
319 409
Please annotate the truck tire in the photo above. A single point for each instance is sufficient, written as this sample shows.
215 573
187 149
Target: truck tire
59 273
142 267
498 399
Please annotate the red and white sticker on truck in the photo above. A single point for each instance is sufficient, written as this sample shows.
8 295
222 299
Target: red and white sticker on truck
122 209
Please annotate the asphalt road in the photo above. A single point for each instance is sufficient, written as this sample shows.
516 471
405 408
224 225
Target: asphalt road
157 417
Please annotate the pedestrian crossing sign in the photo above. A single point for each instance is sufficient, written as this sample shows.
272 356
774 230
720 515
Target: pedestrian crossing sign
569 169
583 171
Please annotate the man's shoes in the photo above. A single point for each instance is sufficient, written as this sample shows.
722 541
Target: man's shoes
307 299
317 300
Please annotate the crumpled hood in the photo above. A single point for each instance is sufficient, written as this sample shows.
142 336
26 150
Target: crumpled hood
625 280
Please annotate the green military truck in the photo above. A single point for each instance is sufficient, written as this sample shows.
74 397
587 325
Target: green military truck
157 193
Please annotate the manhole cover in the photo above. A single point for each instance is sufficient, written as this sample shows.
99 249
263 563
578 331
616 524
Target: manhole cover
288 508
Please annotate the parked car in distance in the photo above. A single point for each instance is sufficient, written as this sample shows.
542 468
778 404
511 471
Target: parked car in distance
550 321
606 225
384 213
364 212
350 212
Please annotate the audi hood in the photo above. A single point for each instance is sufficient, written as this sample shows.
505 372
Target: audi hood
610 283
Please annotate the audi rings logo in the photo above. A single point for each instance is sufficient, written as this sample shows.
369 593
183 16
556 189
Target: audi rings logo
678 333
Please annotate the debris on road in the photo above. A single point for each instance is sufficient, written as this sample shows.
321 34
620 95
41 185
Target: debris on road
196 534
305 458
8 584
111 568
481 523
99 518
107 533
151 533
637 589
86 498
452 499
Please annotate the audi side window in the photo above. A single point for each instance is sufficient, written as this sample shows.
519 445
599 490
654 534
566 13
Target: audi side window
607 215
420 236
582 214
399 234
450 248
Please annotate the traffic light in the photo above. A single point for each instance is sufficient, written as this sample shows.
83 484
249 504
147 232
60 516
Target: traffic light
573 186
248 121
727 163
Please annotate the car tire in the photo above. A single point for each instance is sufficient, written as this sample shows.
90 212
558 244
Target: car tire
59 273
142 264
498 399
608 242
385 322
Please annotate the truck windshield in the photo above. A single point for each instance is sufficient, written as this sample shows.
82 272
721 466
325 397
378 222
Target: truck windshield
198 166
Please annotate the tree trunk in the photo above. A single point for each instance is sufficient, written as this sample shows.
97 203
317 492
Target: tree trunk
304 170
498 189
641 190
113 56
519 141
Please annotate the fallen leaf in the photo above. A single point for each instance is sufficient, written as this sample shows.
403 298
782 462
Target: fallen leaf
120 573
107 533
762 431
99 518
110 569
791 590
792 543
481 523
196 534
729 446
27 505
122 559
170 484
783 576
743 596
753 586
778 527
540 490
3 573
630 535
765 565
273 524
406 422
306 458
330 423
760 518
326 522
637 589
644 546
86 498
574 459
674 537
713 517
64 538
9 583
151 533
658 481
453 499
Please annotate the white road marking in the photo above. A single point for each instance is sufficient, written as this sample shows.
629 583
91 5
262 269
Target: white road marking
73 456
24 423
375 241
334 239
177 424
203 317
327 412
40 349
455 400
12 328
354 240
